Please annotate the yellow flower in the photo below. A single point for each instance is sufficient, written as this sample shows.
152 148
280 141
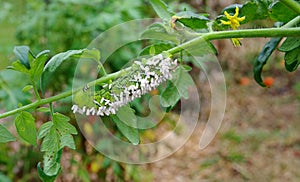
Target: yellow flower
236 42
233 21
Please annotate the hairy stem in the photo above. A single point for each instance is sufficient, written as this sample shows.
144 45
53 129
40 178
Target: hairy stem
268 32
293 5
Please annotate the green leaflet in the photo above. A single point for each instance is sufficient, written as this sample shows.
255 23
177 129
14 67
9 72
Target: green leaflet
44 130
23 53
160 31
61 122
262 59
231 8
292 59
182 81
58 59
27 88
37 65
132 134
3 178
43 109
291 47
156 48
25 125
51 140
67 140
91 54
126 115
200 49
5 135
18 66
56 135
177 88
192 20
289 44
170 95
279 12
43 176
255 10
161 9
28 63
51 165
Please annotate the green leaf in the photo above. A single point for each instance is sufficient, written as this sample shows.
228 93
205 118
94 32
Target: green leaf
58 59
182 80
44 52
3 178
92 54
62 124
57 134
126 114
161 9
5 135
262 59
116 168
67 140
43 109
192 20
159 31
200 49
170 96
158 48
255 10
187 68
22 53
279 12
51 141
18 66
289 44
231 8
44 177
27 88
51 163
132 134
44 130
292 59
25 125
37 66
152 50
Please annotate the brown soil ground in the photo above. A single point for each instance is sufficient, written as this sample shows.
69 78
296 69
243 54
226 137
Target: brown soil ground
259 138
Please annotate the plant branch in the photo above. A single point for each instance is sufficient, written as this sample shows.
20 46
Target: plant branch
248 33
293 5
37 95
62 95
51 110
268 32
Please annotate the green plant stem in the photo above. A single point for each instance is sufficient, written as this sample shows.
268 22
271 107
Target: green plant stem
293 5
51 109
37 95
268 32
62 95
101 67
